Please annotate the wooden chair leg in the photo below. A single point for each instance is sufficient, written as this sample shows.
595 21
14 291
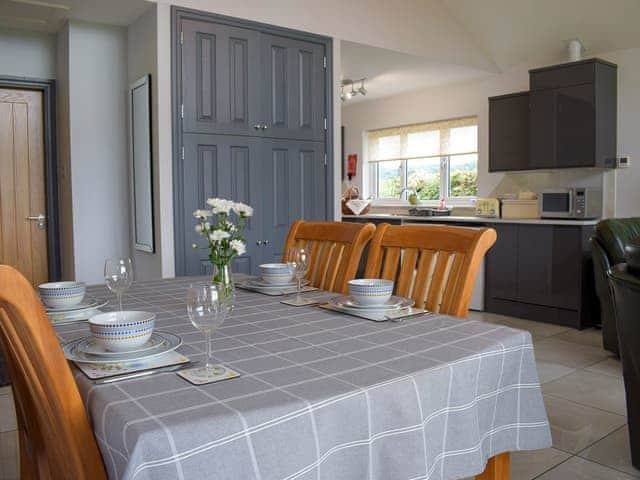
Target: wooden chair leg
497 468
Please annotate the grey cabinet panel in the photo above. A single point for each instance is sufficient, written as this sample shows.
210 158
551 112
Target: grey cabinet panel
576 126
501 270
220 166
220 78
295 187
568 252
294 88
542 138
535 266
509 132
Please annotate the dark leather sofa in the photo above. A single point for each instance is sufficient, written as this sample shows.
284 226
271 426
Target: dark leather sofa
626 294
608 243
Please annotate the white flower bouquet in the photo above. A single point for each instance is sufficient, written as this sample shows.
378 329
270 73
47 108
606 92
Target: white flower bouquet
224 237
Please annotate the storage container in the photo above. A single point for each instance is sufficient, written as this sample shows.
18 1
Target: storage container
520 209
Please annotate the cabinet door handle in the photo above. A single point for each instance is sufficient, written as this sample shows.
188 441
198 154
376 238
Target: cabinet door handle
258 242
265 242
264 126
257 126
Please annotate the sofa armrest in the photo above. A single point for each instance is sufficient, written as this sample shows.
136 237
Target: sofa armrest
601 268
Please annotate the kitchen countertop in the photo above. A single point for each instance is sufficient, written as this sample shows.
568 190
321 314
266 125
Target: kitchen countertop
446 219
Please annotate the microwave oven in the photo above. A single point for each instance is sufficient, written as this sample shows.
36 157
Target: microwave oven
578 202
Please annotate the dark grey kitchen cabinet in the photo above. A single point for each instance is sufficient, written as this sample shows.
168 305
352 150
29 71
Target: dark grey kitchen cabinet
295 187
220 166
294 86
574 115
541 272
572 120
509 132
221 78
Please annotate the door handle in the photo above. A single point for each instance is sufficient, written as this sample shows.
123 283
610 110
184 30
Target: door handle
265 242
264 126
41 219
258 242
257 126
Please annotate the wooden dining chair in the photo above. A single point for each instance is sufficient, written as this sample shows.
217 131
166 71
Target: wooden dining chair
335 247
434 265
56 439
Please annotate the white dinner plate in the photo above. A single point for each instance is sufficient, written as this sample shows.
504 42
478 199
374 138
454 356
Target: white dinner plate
91 347
394 303
73 352
87 302
258 282
75 315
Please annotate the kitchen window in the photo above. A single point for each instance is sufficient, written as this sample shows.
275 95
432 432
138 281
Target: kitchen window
435 160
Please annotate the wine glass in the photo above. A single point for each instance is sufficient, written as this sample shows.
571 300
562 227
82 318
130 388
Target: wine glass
118 274
298 259
206 313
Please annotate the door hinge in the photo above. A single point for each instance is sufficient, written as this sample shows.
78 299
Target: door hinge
325 159
324 62
181 37
182 153
182 110
325 123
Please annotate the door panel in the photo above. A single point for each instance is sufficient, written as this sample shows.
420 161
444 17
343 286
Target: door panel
294 188
23 244
226 167
509 133
220 78
294 83
576 126
501 273
535 264
542 139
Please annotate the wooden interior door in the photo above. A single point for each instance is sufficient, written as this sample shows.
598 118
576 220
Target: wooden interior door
23 216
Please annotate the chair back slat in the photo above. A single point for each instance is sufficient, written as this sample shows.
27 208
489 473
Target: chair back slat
335 250
56 438
434 265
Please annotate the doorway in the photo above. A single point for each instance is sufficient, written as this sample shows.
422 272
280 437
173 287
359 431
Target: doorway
28 180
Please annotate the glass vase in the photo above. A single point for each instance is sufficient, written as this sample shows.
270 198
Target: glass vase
223 278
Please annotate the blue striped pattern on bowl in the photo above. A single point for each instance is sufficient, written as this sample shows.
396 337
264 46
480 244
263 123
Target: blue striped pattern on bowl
370 291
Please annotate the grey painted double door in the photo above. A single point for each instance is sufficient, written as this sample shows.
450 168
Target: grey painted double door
252 131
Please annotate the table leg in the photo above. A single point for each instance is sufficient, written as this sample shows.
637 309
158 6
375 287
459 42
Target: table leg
497 468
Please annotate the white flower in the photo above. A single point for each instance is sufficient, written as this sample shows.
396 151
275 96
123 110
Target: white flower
202 213
230 227
198 228
220 205
218 235
243 209
239 246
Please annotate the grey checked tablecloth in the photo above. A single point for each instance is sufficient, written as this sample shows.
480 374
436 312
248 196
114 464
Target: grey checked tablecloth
321 396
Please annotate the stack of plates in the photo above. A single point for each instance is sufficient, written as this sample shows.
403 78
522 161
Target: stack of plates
87 350
259 283
83 311
348 304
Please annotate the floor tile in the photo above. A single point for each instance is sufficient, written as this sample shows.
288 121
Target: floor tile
552 350
7 414
577 468
537 329
528 465
613 451
548 372
611 366
591 389
589 336
575 427
9 456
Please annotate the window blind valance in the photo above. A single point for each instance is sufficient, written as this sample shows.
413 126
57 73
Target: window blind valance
434 139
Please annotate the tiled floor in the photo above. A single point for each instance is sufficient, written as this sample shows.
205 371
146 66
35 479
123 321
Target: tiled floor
584 396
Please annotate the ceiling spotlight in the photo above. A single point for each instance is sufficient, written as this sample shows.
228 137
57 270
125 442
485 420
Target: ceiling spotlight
362 90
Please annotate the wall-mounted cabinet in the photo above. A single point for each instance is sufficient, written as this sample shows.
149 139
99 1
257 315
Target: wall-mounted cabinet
571 117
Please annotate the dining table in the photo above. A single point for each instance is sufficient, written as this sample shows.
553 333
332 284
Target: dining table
321 395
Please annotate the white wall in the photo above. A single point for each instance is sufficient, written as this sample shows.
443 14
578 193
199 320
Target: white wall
142 59
27 54
98 146
471 99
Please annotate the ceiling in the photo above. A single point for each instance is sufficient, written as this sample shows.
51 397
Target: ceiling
510 33
389 73
49 15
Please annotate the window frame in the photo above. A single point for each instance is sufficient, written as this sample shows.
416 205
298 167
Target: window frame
445 178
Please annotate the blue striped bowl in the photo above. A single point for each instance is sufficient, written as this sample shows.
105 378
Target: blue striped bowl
122 331
275 273
370 291
61 295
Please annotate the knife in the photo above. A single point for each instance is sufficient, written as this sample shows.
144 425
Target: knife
145 373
